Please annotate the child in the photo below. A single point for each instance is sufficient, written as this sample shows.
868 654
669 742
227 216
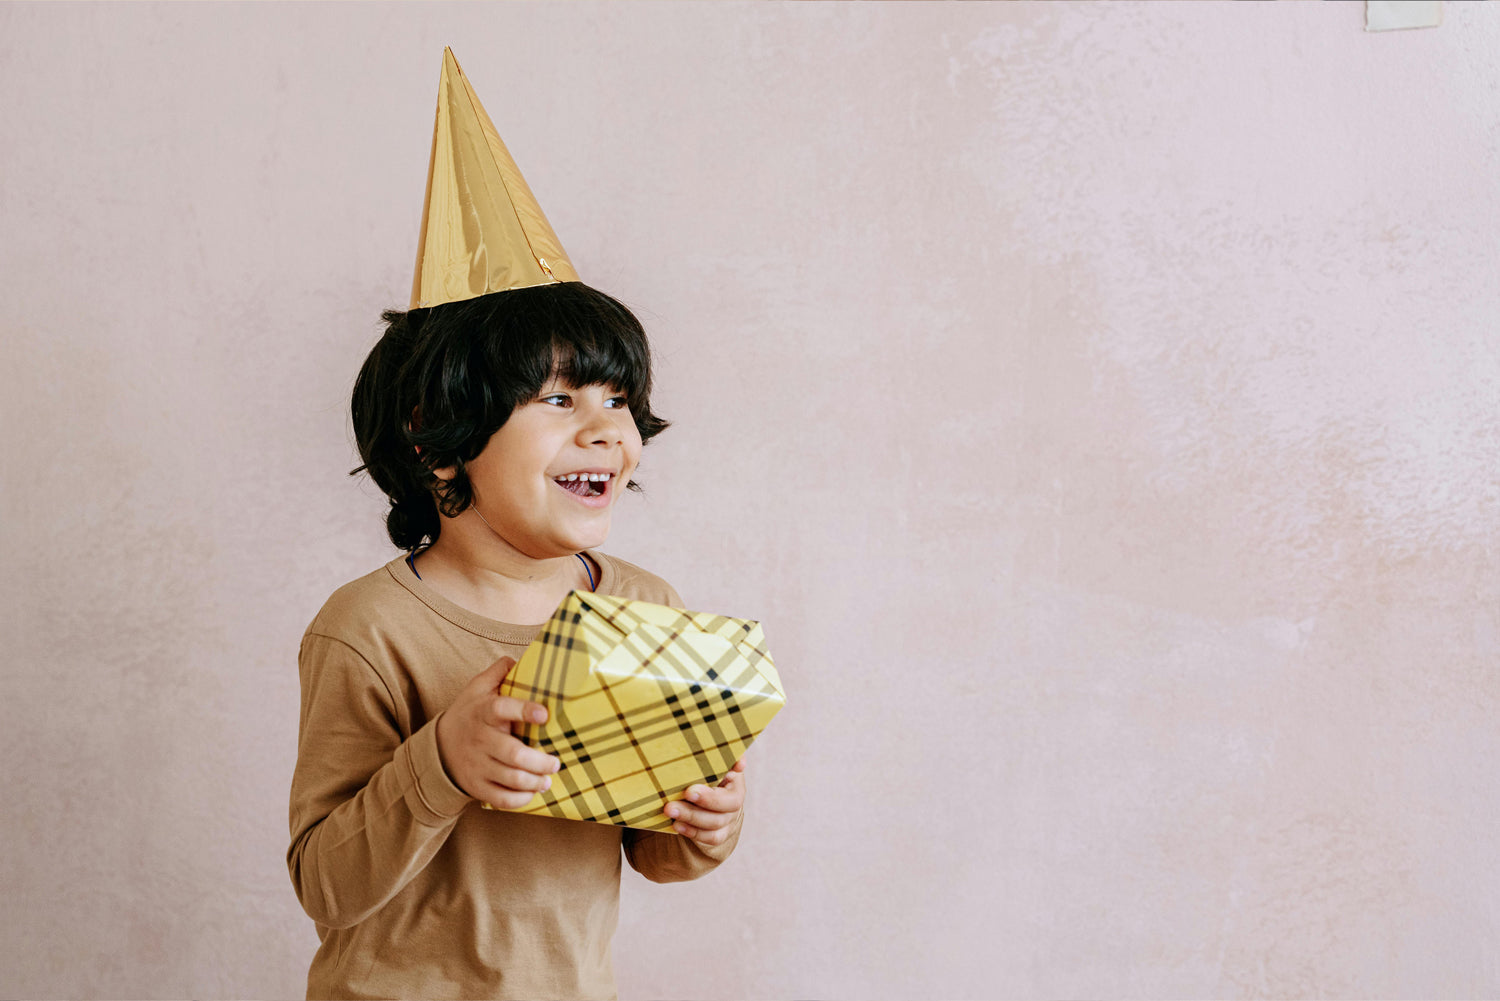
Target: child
502 426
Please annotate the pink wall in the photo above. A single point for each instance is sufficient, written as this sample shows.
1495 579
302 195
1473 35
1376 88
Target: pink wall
1098 402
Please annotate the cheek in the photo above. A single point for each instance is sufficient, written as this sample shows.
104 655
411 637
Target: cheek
630 437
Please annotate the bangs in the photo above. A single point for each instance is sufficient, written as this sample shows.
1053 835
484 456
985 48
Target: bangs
598 360
571 332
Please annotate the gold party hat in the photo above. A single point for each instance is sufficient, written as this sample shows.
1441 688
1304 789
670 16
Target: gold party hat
482 229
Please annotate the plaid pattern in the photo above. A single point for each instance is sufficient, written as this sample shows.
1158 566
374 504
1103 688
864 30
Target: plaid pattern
643 701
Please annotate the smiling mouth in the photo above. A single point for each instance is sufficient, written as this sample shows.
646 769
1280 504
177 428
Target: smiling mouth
585 484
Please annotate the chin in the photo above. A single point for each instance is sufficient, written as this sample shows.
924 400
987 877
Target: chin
590 540
590 544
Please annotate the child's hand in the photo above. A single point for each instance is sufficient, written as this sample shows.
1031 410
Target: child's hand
478 748
708 813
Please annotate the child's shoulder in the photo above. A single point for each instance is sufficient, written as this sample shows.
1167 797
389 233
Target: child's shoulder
353 606
630 581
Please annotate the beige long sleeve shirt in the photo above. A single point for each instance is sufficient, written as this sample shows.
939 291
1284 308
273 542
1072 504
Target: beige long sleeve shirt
415 890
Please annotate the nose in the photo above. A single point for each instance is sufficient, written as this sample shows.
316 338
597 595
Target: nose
598 427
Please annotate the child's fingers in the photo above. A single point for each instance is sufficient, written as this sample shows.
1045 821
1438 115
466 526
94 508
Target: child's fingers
518 779
735 775
726 798
489 679
508 752
496 672
703 837
700 818
505 710
507 799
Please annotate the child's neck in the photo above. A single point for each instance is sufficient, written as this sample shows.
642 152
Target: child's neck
489 578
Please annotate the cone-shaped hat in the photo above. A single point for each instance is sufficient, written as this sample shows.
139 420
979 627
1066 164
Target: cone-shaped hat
482 229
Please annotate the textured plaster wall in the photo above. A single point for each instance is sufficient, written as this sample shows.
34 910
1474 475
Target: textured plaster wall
1098 402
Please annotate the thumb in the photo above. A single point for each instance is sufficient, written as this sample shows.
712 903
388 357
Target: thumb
491 676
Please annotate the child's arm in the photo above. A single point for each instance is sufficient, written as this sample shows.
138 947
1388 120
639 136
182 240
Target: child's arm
708 827
369 809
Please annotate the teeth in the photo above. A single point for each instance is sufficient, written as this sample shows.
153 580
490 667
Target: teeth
589 477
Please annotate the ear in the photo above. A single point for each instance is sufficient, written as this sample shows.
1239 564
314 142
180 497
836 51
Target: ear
415 424
444 473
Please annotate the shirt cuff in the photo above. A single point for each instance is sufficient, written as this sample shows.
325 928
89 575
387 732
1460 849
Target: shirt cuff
431 795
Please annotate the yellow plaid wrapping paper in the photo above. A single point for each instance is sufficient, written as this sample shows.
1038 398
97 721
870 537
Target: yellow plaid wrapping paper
643 701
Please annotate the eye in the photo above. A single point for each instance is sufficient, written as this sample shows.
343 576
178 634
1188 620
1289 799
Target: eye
620 402
556 399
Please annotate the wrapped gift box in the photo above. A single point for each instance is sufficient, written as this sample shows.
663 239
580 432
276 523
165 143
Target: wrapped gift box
643 701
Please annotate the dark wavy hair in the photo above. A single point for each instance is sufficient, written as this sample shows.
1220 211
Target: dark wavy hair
444 379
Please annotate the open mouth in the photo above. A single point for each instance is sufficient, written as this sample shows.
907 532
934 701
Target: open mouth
585 484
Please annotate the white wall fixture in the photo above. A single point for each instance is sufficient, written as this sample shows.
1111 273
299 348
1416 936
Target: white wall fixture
1392 15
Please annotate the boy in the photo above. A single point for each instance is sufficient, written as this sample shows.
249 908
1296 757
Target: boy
502 416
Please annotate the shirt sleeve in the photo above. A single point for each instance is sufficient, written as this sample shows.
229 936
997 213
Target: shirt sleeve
664 857
369 809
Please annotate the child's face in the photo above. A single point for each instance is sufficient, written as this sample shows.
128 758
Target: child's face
547 481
